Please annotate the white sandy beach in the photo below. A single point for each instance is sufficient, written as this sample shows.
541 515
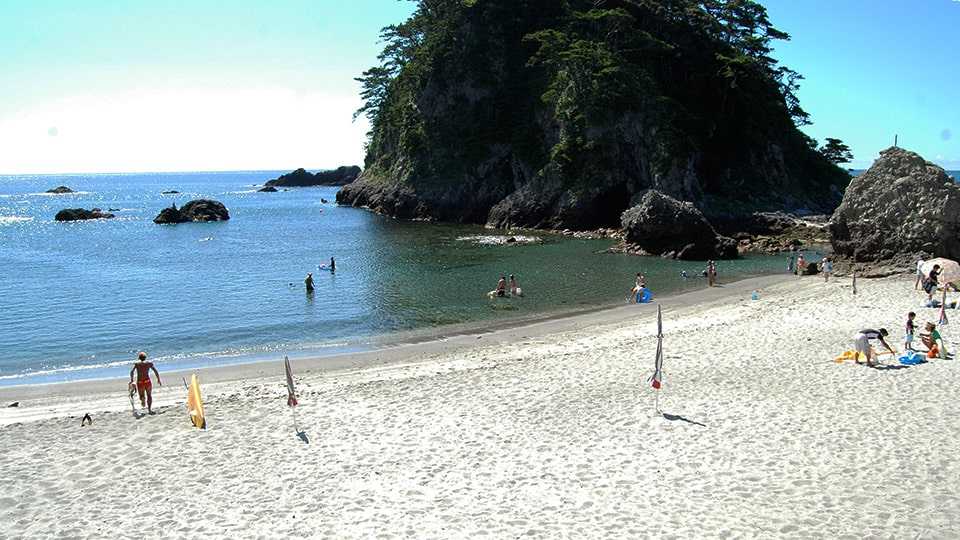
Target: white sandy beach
551 436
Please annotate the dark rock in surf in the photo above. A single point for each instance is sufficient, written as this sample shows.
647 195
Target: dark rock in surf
171 192
662 225
80 214
60 190
267 189
200 210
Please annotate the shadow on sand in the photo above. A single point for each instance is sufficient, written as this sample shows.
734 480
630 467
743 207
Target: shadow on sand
675 417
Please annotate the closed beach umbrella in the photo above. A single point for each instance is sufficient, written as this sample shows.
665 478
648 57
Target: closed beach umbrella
291 392
949 269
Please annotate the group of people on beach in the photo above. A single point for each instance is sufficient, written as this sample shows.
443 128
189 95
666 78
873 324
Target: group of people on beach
930 338
798 265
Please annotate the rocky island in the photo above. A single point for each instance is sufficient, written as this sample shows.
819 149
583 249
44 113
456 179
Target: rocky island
199 210
59 190
80 214
302 178
523 114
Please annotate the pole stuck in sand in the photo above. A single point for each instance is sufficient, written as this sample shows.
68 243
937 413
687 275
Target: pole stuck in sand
655 379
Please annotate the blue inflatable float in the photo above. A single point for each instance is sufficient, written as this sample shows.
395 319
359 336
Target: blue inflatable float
644 296
912 359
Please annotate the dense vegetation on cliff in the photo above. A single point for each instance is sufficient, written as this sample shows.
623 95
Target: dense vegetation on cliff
558 113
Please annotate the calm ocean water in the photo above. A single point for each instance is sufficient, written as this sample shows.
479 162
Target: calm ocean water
77 300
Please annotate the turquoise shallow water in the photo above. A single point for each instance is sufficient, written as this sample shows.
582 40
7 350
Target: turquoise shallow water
79 299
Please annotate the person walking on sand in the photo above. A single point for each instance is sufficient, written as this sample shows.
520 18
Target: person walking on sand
861 342
308 282
930 284
144 387
801 264
826 268
711 273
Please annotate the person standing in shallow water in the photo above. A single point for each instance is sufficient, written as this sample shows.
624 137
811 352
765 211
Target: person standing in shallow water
144 386
711 273
308 282
333 265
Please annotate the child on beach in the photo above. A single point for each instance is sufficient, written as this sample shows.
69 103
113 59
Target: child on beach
908 332
826 268
144 387
933 341
801 265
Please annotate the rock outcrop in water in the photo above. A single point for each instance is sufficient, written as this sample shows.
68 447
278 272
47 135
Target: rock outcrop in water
538 113
662 225
267 189
198 210
901 207
60 190
79 214
301 178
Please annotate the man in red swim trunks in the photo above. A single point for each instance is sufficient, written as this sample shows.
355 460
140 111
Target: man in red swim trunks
144 387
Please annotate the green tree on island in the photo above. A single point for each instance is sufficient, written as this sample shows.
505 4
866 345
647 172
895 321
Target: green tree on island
836 151
553 113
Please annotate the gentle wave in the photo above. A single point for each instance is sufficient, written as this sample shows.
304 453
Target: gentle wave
45 194
496 240
9 220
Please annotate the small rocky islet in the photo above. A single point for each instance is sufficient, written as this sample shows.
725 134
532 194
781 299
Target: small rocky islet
81 214
200 210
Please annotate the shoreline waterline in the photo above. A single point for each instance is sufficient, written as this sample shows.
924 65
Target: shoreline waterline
405 347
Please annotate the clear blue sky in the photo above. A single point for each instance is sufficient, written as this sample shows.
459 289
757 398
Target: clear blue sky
875 68
130 85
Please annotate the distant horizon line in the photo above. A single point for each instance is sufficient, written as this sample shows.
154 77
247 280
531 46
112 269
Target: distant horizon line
211 171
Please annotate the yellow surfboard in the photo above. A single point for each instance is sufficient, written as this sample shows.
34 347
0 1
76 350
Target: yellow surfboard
195 404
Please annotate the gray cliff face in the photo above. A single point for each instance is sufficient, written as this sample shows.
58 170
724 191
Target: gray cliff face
902 206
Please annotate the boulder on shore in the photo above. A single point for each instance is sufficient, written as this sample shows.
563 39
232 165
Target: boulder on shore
662 225
198 210
79 214
267 189
340 176
901 207
60 190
